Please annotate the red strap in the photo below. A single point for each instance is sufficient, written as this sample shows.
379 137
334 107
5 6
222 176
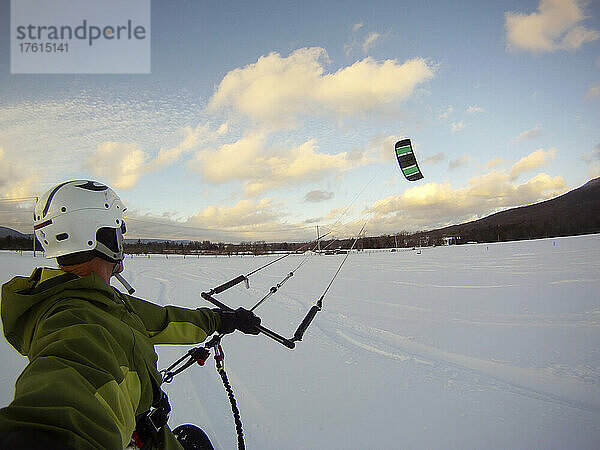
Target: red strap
138 440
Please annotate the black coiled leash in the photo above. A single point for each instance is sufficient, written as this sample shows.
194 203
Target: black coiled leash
199 355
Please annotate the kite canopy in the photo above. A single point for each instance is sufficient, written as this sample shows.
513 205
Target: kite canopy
407 160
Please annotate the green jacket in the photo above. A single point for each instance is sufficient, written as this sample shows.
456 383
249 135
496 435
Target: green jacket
92 364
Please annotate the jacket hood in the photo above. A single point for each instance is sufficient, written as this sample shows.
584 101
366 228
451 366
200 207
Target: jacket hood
24 300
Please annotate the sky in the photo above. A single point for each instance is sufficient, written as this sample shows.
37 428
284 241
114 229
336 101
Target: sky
263 120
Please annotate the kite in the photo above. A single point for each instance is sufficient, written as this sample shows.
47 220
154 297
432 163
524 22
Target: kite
407 160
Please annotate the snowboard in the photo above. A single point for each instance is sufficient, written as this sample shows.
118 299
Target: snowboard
192 438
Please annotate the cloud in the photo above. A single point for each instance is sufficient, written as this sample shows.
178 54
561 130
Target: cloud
193 138
438 157
357 26
381 147
457 126
474 109
446 113
593 159
495 163
262 167
16 180
370 41
528 134
459 162
434 205
73 120
555 26
592 156
244 214
121 164
246 220
593 92
318 196
16 185
278 90
338 214
533 161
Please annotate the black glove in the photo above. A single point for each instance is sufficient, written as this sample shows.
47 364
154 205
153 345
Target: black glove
240 319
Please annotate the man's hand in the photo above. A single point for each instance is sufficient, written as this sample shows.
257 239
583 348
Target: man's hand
240 319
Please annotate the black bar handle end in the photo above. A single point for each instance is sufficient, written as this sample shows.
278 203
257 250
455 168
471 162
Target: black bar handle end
229 284
306 322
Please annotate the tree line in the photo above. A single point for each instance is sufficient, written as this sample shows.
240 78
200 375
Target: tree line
461 234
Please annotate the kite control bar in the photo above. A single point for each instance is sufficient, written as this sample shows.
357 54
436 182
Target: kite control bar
277 337
289 343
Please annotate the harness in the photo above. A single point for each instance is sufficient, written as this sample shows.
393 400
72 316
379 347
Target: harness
149 424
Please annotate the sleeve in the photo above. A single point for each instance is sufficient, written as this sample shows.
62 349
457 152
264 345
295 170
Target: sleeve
77 387
173 324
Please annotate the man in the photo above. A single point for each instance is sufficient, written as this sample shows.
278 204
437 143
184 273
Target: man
92 376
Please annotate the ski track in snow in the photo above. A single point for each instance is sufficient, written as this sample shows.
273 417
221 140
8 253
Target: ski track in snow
529 381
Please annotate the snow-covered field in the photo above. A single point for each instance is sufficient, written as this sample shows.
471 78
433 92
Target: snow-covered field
478 346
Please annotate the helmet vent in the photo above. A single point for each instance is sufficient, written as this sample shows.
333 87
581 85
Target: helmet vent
62 236
63 209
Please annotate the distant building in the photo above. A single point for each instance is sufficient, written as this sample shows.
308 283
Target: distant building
450 240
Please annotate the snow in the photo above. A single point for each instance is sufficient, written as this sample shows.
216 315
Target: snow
474 346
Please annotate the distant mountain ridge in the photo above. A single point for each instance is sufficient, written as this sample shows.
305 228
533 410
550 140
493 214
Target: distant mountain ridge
4 232
573 213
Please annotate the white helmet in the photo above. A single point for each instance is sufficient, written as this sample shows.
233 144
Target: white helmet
80 216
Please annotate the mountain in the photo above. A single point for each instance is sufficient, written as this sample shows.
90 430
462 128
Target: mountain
4 231
573 213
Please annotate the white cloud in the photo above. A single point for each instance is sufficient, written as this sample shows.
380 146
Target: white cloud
121 164
434 205
528 134
16 180
593 159
434 159
460 162
370 41
554 26
457 126
593 92
246 220
202 134
245 213
474 109
533 161
261 166
593 156
381 147
70 124
446 113
495 163
277 90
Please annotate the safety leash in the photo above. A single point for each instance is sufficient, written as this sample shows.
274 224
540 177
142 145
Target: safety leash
199 355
